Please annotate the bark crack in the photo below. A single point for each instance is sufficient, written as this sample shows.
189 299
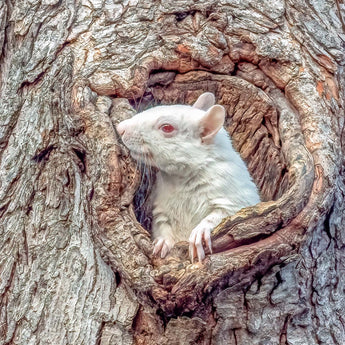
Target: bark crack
44 154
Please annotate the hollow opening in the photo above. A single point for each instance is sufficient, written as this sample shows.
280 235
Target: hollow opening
252 122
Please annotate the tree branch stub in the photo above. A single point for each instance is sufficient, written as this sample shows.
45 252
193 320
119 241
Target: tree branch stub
260 230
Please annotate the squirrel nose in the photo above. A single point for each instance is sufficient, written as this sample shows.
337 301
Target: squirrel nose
121 128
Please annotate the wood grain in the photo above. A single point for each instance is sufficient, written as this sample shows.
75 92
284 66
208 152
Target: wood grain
76 265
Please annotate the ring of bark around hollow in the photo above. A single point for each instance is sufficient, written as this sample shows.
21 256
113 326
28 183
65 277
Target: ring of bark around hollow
254 128
265 128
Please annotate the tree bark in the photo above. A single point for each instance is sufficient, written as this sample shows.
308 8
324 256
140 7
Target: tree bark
75 264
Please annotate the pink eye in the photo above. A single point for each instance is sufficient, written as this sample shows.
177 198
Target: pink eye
167 128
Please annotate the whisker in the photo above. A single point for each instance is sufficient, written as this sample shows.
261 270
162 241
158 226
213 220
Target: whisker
141 166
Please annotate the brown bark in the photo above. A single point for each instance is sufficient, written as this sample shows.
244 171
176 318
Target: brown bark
76 265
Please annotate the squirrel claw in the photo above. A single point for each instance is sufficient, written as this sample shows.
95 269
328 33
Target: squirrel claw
199 235
162 246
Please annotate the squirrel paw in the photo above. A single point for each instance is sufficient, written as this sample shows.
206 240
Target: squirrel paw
200 234
162 245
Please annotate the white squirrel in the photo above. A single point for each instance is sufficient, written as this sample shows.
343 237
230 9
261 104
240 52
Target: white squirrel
201 179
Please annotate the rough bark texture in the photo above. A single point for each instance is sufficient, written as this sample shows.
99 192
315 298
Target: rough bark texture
76 266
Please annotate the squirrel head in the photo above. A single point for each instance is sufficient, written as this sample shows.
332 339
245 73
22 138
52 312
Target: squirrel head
174 138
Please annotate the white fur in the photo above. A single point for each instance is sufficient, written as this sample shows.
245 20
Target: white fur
197 185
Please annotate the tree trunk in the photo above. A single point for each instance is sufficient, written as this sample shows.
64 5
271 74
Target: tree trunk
75 264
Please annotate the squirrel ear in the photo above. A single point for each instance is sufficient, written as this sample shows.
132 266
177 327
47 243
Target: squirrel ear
211 123
205 101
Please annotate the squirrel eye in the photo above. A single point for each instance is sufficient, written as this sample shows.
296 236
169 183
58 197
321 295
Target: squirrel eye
167 128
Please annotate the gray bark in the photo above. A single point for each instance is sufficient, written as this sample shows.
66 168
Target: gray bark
76 265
